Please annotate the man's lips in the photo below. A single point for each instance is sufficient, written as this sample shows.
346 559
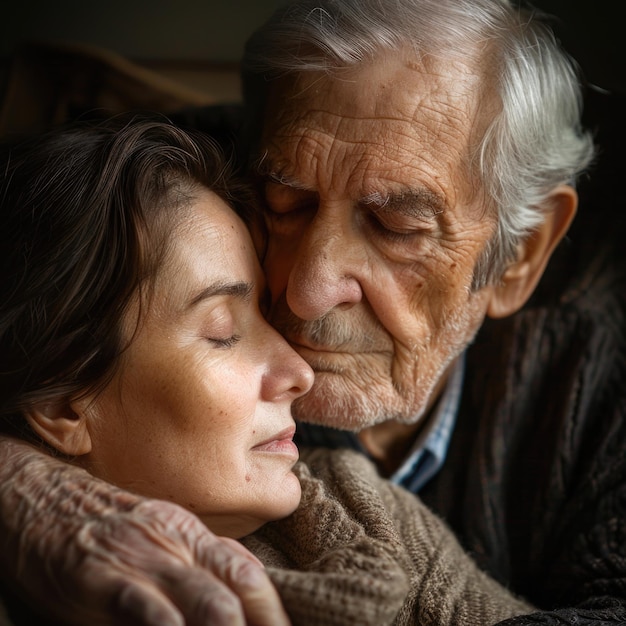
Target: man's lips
300 341
321 360
302 345
280 443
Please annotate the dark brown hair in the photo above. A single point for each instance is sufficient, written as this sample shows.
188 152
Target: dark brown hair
86 211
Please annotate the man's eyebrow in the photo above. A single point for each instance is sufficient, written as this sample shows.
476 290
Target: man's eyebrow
285 180
240 289
412 203
269 172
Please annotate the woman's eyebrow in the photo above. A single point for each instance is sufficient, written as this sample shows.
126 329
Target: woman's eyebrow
237 289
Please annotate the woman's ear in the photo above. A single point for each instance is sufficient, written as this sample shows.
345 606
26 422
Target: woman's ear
62 425
521 277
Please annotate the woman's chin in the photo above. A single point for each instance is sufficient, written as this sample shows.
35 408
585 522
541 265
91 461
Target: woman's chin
283 500
277 504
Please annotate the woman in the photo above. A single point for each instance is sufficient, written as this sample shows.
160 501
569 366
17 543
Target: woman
133 342
142 293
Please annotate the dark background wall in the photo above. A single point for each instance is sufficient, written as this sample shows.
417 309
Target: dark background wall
594 33
215 30
212 30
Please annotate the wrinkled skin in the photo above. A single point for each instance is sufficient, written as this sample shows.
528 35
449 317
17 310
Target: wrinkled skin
392 290
375 228
378 222
114 558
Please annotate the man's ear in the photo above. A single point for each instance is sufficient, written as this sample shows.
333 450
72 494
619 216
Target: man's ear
61 424
521 277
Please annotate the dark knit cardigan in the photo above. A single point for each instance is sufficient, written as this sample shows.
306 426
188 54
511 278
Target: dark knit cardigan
535 480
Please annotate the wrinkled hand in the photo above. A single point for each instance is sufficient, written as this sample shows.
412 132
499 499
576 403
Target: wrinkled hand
89 553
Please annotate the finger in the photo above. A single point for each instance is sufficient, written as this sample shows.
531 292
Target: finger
249 580
237 547
141 603
260 600
203 599
117 602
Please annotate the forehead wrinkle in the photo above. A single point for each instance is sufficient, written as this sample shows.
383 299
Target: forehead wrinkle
420 134
387 142
370 171
304 156
448 120
302 143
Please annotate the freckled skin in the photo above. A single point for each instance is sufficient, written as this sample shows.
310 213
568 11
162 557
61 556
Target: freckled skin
380 302
168 425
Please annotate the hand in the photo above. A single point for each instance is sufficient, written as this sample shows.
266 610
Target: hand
87 552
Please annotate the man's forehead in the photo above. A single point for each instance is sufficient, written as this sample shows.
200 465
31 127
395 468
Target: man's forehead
384 160
394 84
387 193
390 110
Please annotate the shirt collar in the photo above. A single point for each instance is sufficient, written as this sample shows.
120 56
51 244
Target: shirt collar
429 451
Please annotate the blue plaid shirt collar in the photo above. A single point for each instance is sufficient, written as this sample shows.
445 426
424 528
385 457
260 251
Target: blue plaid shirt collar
429 451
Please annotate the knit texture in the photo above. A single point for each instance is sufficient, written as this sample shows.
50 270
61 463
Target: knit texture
361 551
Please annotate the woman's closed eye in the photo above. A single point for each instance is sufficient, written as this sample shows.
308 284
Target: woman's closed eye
226 342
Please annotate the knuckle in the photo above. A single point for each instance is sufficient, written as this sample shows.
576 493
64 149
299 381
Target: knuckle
249 576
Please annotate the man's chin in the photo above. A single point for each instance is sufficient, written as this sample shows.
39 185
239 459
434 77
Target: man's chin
335 405
335 422
348 403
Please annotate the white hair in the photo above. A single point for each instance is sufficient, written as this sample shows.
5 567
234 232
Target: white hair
534 141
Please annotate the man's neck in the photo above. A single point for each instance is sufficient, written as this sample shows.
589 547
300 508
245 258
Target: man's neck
389 442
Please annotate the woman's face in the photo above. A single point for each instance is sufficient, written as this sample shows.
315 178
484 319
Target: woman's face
199 411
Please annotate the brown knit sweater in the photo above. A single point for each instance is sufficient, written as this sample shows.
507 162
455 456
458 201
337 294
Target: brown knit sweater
362 551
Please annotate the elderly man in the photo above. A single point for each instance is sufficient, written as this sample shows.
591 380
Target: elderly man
418 160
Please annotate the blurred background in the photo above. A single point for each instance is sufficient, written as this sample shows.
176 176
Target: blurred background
180 33
212 30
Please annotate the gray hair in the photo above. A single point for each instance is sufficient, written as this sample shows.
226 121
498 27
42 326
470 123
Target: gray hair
534 141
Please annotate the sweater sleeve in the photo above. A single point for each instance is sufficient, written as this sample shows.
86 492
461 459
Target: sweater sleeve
536 484
583 577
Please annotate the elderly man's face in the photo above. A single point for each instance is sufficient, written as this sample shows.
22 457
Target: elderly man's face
375 230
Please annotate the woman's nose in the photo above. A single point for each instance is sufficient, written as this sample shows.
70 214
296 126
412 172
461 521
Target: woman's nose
289 376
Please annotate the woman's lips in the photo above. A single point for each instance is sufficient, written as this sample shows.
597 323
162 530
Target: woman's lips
281 443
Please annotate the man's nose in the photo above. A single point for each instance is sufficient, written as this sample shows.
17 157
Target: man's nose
326 267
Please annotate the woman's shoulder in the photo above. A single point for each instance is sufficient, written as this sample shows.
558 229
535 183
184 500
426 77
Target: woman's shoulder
339 553
325 463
